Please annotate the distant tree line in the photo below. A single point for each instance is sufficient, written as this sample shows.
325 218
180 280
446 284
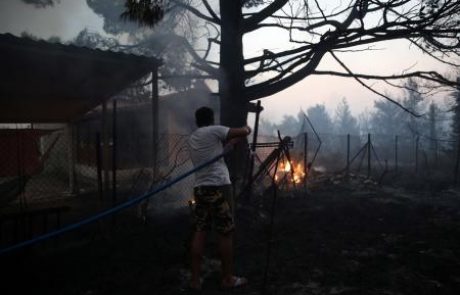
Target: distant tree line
434 121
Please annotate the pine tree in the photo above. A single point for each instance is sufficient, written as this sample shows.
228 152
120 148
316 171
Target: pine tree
345 123
320 119
456 129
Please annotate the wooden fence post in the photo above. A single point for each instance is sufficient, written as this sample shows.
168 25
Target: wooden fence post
252 159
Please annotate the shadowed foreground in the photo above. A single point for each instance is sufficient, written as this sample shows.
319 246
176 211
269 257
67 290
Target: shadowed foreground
334 242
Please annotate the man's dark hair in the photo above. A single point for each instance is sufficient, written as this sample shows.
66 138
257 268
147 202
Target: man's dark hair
204 116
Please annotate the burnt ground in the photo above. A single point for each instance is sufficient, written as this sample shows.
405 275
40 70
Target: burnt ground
334 240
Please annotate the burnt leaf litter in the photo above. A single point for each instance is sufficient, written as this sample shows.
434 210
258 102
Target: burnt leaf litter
341 237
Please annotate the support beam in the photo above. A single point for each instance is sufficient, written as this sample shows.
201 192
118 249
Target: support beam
71 157
105 150
155 124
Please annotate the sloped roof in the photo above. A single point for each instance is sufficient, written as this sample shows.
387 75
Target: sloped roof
48 82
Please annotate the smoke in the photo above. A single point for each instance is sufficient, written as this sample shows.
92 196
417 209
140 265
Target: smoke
110 11
63 18
41 3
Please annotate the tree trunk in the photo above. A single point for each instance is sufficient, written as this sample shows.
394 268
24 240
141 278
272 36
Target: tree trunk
233 103
234 114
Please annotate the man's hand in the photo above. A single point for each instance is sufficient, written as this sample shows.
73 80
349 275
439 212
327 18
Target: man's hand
235 135
248 129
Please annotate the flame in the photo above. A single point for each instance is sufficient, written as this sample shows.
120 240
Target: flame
287 168
284 169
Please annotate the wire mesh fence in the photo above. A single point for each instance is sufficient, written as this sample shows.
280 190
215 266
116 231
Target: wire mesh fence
49 165
34 165
39 164
375 155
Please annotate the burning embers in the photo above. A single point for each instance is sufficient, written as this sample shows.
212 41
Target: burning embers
290 171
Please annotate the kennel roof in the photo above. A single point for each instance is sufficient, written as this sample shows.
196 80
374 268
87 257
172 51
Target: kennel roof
52 82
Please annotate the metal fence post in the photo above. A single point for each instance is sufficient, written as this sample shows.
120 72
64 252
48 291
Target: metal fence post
368 155
436 154
114 152
457 162
305 160
71 157
417 139
99 165
348 156
155 125
77 156
396 153
105 150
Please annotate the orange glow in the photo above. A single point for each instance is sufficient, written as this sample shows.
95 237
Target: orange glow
287 168
284 170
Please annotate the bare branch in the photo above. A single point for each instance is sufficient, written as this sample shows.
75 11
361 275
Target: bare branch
430 76
196 12
370 88
254 92
320 10
250 24
200 62
433 56
211 11
190 76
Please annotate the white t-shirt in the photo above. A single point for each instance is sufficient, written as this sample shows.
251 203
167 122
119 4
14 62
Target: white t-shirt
206 143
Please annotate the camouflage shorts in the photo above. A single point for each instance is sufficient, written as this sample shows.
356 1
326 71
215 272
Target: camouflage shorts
213 206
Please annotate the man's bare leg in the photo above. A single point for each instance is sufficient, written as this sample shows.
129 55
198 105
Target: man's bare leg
226 256
197 248
226 253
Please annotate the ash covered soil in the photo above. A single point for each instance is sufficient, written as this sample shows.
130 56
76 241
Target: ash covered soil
331 241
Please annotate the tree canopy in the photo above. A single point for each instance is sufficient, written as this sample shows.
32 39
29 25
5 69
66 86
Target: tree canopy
320 118
307 33
314 30
345 123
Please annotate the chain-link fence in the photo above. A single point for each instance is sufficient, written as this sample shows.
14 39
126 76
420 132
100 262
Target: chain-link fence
34 165
39 164
49 165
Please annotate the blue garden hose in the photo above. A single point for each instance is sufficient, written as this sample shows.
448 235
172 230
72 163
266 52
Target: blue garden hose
112 210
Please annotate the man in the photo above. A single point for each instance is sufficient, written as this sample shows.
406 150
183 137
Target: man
213 198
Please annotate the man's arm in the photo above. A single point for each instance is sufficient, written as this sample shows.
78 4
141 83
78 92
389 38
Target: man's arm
234 133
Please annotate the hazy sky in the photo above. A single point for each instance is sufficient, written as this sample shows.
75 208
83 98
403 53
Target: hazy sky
69 17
